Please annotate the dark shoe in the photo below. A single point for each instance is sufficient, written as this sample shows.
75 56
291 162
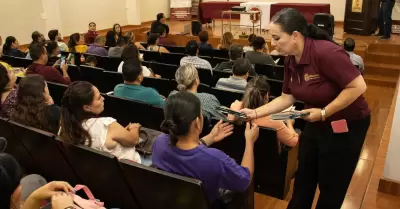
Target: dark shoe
385 38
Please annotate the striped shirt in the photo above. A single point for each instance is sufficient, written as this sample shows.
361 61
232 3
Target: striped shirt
232 84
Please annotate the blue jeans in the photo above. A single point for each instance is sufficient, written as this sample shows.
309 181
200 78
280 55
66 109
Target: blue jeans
146 159
385 18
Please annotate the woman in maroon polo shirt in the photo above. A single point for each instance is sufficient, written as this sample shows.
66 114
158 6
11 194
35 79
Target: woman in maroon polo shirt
320 73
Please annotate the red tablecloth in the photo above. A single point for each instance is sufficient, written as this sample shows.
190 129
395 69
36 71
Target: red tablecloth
308 10
212 10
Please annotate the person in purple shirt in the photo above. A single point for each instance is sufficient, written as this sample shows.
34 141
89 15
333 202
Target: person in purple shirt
183 153
98 47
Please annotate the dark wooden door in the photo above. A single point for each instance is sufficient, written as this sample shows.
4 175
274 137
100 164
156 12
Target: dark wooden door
364 23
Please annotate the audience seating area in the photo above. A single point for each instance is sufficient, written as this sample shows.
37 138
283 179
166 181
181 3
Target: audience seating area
126 184
119 184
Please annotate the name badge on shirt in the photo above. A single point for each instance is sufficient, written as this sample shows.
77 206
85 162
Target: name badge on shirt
308 77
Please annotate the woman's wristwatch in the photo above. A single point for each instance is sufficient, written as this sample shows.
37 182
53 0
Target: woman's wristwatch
323 114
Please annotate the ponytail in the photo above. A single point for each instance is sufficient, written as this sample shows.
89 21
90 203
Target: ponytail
170 127
256 89
73 41
8 43
292 20
78 94
316 33
180 110
252 98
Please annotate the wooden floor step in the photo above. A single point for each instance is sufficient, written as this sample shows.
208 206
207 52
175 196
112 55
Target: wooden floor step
383 57
382 69
380 80
384 47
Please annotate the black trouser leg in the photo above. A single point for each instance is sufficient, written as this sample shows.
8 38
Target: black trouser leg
305 182
387 8
338 157
328 159
380 21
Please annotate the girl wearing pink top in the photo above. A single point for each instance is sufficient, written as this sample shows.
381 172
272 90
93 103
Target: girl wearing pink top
256 95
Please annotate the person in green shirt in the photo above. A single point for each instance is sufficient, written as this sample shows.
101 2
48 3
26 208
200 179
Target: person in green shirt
132 88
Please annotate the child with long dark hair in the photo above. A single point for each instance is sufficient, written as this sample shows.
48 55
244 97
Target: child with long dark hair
256 95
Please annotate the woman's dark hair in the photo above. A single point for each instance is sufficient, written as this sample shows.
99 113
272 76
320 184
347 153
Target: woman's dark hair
226 40
92 23
8 43
120 30
50 47
110 39
292 20
180 110
73 41
152 39
196 28
4 79
251 38
10 177
31 104
255 91
130 52
78 94
35 37
129 36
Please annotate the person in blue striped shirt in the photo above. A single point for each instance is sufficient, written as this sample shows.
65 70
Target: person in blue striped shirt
238 81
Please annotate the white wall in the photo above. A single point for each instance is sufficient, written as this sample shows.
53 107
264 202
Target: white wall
396 11
337 6
21 23
392 165
150 8
76 14
51 15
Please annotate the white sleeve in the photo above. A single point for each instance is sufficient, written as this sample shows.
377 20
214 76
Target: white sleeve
120 66
98 129
146 71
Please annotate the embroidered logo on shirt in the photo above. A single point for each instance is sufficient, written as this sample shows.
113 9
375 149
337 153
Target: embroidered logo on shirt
308 77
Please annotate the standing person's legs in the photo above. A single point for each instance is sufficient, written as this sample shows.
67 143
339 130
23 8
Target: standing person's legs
305 182
390 11
338 156
380 21
387 18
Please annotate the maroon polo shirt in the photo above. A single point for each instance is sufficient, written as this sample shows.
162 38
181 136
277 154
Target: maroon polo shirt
90 36
323 71
48 72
